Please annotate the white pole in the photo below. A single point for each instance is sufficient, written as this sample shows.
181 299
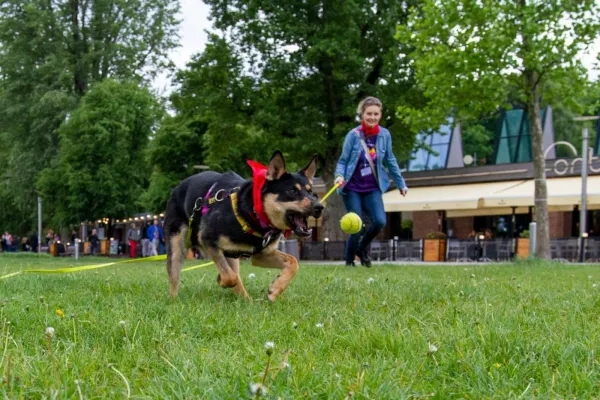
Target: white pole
39 225
583 208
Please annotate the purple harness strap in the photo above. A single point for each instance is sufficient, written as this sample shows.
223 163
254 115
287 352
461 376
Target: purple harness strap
207 196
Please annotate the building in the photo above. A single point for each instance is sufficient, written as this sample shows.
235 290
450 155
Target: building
447 196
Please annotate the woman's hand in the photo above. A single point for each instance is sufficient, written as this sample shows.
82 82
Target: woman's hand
404 191
339 181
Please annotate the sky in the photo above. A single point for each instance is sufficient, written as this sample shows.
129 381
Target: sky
194 22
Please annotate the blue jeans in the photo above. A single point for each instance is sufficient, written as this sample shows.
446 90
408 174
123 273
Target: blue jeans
372 204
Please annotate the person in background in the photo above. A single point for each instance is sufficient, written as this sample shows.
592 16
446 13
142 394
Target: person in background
73 236
94 242
33 241
146 240
362 179
133 236
155 234
7 242
49 237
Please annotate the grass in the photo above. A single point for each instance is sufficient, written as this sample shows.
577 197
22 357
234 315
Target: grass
527 330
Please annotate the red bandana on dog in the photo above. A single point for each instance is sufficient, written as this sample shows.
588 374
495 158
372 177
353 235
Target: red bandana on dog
259 177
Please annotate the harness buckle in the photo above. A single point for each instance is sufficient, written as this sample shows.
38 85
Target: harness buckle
221 191
269 238
198 207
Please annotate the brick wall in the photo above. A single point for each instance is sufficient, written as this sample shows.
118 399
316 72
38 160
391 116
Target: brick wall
462 226
423 223
560 224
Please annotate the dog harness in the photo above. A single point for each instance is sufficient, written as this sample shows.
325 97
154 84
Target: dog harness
202 204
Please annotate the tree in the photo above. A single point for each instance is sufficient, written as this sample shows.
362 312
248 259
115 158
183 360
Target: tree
101 169
470 54
51 53
174 151
478 141
289 75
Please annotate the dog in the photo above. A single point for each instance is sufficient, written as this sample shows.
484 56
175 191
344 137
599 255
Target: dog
230 218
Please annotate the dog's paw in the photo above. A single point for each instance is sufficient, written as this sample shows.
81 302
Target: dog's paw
272 295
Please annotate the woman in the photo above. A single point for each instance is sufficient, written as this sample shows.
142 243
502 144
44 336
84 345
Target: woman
362 179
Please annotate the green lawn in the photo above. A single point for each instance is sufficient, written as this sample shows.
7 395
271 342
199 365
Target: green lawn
490 331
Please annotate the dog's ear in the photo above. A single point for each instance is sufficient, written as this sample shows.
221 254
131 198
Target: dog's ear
276 166
310 170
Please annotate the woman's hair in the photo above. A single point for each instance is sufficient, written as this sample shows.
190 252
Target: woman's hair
366 102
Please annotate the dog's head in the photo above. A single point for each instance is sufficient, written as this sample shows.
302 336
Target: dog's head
288 198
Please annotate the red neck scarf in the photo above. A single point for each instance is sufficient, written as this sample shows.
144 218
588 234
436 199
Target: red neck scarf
373 130
259 177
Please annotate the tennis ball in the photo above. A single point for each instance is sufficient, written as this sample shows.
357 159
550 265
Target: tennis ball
351 223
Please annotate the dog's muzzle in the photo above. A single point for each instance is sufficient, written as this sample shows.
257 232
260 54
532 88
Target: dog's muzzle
317 209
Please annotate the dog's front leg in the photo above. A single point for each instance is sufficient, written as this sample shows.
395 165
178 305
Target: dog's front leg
234 264
227 277
277 259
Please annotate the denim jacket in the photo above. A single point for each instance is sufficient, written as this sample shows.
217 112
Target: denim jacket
351 153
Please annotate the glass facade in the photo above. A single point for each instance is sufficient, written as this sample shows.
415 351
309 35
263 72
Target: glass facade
439 142
513 142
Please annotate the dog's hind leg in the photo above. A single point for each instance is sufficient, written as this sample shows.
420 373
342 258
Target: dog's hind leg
277 259
175 258
234 264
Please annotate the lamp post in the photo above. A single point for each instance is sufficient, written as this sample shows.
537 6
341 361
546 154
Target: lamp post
584 173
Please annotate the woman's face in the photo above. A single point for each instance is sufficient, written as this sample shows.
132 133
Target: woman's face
371 115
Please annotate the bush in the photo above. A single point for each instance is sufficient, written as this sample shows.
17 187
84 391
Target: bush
436 235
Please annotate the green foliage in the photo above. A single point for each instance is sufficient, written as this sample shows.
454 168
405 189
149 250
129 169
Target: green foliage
174 151
436 235
100 170
289 75
51 53
407 224
524 234
478 141
470 57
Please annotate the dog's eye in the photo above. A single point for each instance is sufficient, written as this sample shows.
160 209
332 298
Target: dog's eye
293 191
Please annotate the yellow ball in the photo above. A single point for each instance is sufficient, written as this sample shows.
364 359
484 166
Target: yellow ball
351 223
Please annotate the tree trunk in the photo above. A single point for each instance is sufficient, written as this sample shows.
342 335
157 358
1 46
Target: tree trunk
79 78
335 206
539 166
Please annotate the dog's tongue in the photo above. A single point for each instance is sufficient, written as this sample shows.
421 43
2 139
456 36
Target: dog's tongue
300 222
259 175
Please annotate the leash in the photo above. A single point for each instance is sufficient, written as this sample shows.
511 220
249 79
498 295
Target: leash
329 193
94 266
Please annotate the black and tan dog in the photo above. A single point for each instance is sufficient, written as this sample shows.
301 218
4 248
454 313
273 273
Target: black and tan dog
230 217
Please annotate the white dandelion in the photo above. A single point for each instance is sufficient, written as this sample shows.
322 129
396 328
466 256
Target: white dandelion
269 346
49 332
370 280
258 389
122 323
319 325
251 276
432 348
